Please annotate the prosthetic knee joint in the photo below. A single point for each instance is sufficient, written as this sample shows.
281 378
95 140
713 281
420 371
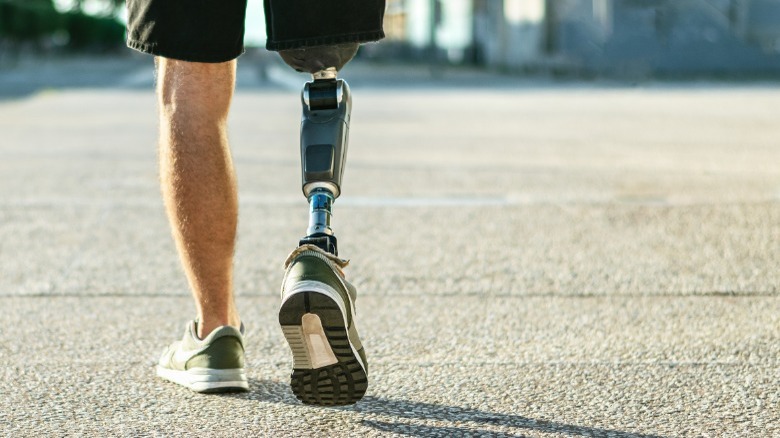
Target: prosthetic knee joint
327 106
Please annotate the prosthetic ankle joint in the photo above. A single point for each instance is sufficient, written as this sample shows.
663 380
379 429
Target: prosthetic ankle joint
327 105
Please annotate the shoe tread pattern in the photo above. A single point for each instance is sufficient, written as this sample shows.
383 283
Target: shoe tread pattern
343 383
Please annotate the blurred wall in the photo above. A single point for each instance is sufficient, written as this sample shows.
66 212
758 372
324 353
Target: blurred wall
508 33
432 30
630 37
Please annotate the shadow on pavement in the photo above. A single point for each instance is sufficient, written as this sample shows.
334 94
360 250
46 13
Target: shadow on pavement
38 75
128 71
426 411
279 392
258 70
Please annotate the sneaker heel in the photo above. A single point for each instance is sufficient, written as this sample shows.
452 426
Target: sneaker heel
309 344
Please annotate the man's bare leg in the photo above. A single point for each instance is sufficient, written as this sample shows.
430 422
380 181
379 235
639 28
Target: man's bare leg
198 181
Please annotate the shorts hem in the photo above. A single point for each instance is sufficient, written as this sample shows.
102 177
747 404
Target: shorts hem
184 54
362 37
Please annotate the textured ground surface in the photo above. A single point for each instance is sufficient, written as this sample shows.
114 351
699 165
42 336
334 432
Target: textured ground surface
533 259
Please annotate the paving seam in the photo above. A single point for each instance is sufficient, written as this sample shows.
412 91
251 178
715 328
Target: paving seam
411 364
712 294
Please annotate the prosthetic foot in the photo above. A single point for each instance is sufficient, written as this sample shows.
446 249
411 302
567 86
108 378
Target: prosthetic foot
327 105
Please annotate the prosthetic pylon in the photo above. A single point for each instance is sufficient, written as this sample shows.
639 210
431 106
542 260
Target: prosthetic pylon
327 105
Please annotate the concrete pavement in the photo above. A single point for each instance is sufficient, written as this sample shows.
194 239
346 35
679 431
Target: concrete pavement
533 259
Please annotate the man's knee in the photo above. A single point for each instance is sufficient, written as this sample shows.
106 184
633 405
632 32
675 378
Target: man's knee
189 87
320 58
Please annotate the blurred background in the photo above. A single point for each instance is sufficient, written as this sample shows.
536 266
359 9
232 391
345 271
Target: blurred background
616 38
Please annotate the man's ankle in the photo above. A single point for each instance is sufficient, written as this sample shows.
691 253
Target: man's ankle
207 325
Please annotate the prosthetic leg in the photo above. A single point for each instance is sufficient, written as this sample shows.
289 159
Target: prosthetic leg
327 105
317 313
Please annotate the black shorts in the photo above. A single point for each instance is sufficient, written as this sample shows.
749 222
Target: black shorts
213 30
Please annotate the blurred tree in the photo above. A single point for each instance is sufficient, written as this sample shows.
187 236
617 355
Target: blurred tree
111 7
88 32
35 21
28 19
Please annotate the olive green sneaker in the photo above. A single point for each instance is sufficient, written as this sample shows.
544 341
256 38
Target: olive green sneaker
214 364
317 316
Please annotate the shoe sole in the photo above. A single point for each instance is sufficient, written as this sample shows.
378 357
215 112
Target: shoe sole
327 371
206 380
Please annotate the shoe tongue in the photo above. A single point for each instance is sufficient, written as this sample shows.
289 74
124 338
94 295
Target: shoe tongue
192 328
341 263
